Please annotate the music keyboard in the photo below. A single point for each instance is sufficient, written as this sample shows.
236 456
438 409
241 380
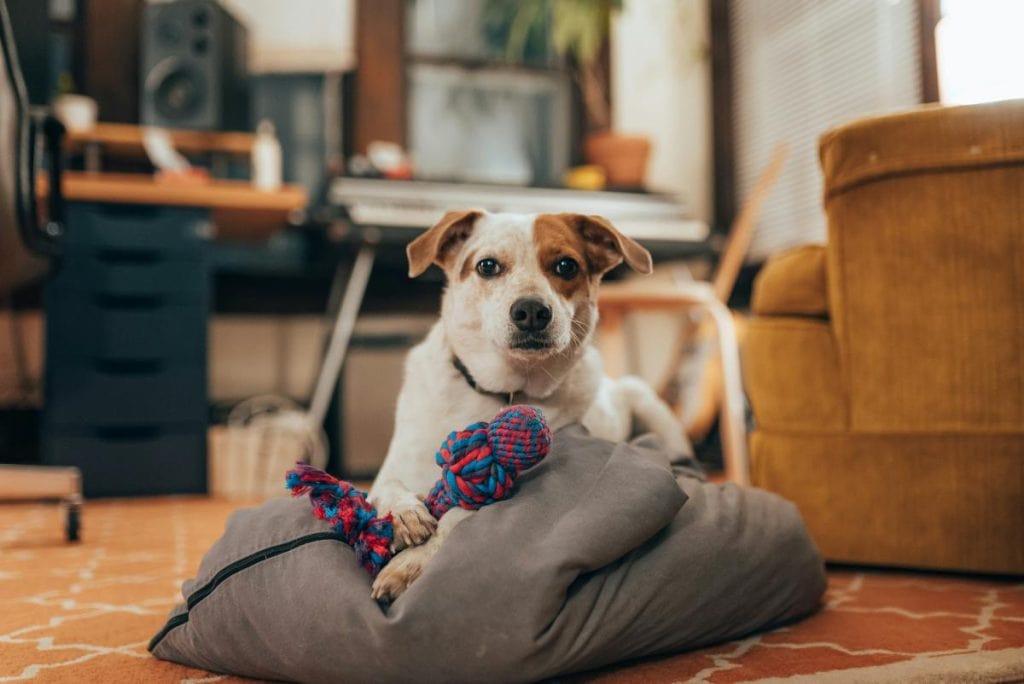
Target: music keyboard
417 205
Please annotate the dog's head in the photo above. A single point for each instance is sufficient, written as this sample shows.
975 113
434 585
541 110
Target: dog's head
522 288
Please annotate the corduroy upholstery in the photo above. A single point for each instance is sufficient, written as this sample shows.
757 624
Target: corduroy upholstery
894 416
793 283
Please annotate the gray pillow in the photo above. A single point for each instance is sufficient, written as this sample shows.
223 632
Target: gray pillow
594 560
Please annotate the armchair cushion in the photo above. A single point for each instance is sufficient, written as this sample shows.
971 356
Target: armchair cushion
793 283
791 373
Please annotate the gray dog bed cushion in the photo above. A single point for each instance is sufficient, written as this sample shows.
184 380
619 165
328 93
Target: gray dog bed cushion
596 559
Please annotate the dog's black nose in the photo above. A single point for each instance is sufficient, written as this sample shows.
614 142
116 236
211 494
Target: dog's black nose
530 315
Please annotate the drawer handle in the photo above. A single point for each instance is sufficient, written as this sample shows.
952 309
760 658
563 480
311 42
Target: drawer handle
141 212
128 366
128 433
121 301
113 255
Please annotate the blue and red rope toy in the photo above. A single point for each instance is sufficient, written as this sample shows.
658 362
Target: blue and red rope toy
479 465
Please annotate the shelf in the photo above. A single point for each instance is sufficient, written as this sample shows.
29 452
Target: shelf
126 139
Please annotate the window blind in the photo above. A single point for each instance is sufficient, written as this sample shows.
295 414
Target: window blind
801 67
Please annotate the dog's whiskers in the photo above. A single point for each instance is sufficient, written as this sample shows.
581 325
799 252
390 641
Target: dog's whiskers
578 331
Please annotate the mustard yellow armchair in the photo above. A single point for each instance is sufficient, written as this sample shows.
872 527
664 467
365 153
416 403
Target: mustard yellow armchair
886 368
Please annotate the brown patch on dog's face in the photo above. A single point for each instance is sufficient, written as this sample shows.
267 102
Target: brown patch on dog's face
605 246
558 245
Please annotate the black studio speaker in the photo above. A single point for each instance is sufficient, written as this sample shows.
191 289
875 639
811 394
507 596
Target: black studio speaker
193 67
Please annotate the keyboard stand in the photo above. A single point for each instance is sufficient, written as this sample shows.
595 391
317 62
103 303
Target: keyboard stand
344 324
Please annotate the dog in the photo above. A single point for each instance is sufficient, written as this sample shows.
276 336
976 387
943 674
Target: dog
517 321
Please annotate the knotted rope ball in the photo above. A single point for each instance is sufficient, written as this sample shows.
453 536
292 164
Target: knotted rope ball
479 465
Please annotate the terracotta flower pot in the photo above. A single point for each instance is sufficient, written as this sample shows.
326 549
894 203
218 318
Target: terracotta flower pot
623 157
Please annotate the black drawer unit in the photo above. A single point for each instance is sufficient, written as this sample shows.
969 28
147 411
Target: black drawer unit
100 329
134 462
179 231
126 317
130 277
104 393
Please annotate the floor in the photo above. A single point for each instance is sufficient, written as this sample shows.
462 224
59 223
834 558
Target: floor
84 612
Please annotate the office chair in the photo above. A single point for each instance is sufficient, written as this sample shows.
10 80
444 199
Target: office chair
28 246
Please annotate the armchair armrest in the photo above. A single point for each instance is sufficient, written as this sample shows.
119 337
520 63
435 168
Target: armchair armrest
793 283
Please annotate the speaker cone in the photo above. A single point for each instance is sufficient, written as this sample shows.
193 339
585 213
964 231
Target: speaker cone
178 89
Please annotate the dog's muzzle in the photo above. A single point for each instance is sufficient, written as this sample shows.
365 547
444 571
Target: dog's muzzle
531 318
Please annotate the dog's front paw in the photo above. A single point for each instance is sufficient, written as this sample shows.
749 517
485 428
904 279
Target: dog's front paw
400 573
413 525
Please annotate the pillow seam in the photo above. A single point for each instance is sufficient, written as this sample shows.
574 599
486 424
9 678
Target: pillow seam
231 569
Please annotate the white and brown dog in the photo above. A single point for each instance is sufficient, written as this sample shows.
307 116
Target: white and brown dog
517 321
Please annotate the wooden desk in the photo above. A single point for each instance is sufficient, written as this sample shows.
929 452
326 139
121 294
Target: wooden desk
238 210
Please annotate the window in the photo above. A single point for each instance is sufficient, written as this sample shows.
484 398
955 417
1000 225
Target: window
979 51
801 67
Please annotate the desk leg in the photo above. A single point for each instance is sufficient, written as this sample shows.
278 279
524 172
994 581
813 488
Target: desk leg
344 324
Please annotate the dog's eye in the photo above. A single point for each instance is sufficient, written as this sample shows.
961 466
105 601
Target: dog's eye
566 268
488 268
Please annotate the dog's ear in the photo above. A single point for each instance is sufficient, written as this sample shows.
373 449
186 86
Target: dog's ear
437 245
606 246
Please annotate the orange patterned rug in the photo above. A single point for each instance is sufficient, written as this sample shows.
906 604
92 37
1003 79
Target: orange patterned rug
84 612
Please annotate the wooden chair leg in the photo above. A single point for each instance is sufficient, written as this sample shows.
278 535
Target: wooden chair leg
732 420
732 412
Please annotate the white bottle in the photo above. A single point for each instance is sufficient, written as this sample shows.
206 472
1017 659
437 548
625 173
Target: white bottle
266 158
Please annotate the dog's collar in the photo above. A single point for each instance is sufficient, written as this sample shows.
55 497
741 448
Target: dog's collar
507 398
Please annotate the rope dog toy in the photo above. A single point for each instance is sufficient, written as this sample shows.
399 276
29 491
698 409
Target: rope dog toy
479 465
348 512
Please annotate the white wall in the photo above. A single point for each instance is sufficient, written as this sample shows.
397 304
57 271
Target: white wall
661 87
298 35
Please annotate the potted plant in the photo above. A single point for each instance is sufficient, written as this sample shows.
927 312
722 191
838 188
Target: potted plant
577 30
